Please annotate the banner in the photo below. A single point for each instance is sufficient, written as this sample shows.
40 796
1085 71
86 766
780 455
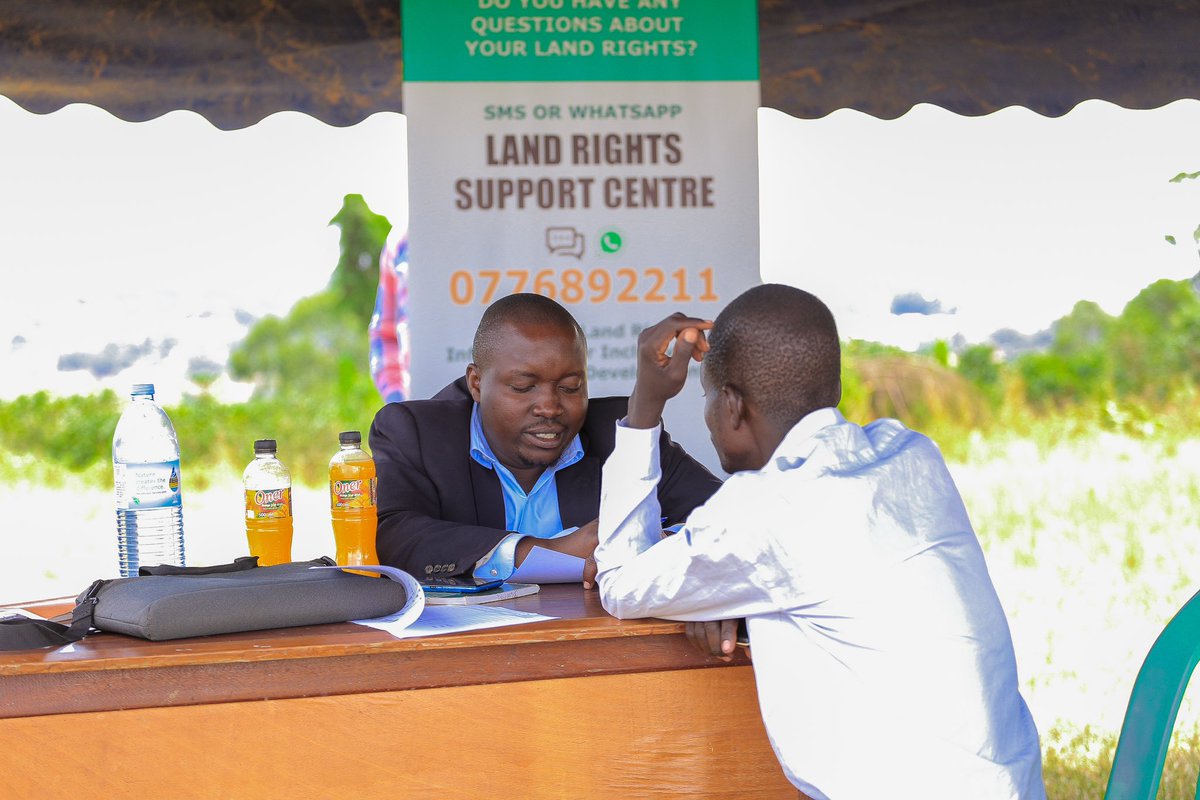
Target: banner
600 152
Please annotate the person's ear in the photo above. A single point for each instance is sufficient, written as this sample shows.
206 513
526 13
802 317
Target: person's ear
473 377
733 404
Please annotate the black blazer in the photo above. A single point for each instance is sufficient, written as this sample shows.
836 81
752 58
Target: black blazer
440 511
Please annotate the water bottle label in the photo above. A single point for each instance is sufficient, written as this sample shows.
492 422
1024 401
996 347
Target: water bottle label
268 503
147 485
352 494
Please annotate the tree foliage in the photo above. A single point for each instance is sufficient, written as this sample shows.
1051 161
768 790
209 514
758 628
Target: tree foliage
1149 352
75 432
319 349
1180 178
310 368
357 274
311 377
979 365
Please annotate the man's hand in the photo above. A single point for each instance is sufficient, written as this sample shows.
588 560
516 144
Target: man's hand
580 542
659 376
713 638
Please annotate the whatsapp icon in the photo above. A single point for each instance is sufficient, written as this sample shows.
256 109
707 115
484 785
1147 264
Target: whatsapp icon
610 242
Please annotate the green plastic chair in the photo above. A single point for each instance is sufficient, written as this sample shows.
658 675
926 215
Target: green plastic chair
1153 706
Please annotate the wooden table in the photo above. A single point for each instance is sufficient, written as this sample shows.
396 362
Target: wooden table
583 706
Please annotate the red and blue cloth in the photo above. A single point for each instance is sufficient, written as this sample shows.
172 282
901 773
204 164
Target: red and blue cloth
391 349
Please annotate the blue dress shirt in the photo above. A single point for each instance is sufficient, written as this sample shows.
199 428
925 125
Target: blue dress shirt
527 514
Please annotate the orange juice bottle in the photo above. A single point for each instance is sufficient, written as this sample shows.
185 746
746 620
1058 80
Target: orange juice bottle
268 486
352 501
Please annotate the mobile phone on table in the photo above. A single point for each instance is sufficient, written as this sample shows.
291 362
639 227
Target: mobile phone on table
459 584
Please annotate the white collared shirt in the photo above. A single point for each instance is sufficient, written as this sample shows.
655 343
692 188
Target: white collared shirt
883 659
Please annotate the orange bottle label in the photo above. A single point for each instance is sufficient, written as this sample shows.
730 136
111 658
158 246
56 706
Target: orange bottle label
268 503
354 493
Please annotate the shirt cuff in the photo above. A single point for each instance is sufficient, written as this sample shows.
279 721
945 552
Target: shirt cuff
499 562
636 451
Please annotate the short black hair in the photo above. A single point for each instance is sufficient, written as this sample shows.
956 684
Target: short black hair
777 345
519 309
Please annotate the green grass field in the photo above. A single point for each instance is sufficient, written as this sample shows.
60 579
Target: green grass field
1093 542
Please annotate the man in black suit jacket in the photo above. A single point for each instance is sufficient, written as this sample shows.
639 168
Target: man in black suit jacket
441 511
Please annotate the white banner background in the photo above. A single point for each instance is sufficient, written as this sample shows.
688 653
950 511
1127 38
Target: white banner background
693 259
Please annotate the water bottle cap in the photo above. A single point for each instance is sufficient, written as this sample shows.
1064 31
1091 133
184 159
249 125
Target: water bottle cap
141 389
265 446
350 437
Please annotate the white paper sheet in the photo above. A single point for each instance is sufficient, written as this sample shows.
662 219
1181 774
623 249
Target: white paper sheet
17 613
548 566
413 606
453 619
418 619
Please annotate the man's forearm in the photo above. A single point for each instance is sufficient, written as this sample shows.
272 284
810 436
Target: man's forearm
629 508
643 412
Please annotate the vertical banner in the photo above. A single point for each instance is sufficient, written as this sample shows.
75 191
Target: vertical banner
599 152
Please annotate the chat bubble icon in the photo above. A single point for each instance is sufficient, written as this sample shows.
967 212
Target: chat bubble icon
564 241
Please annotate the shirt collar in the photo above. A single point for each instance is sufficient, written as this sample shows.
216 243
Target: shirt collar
481 451
801 440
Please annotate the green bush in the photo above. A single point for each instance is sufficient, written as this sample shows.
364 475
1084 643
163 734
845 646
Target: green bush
74 433
45 439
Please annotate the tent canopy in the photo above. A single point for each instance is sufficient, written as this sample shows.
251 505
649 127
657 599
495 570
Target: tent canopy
237 61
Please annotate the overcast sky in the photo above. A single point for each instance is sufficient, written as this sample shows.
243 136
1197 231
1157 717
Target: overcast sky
150 237
1007 219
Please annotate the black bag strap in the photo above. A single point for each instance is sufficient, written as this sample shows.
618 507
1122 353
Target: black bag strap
21 633
239 564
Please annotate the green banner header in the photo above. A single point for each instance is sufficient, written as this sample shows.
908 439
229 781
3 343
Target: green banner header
580 40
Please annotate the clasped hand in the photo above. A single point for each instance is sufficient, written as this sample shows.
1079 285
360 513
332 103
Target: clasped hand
580 542
660 376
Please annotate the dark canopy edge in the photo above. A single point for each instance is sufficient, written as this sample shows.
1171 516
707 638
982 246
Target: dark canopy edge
238 61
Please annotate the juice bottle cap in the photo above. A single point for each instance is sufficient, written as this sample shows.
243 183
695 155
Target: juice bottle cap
264 446
350 437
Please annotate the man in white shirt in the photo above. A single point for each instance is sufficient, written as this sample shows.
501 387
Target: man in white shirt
883 659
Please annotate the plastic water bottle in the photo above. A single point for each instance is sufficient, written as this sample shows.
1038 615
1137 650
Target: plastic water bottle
146 475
